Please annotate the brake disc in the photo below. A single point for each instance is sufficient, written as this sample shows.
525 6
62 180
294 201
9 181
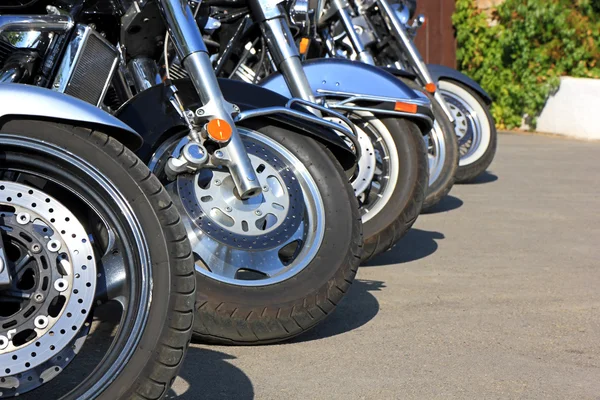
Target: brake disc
367 163
44 315
258 223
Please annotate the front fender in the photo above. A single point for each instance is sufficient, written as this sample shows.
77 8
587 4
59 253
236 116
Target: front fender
151 114
24 101
347 76
441 71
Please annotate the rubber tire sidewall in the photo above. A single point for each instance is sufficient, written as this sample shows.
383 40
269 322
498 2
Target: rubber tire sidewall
401 212
92 148
409 154
229 314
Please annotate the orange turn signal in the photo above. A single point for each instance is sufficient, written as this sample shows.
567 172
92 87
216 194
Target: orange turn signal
431 88
303 47
405 107
219 130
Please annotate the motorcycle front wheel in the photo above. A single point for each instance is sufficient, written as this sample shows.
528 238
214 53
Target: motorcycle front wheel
100 305
275 265
390 180
474 126
442 152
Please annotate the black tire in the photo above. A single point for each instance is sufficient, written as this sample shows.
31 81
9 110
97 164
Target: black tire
155 362
470 171
243 315
446 178
400 213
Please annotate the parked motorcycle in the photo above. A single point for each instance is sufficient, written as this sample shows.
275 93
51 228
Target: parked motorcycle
253 42
96 272
378 32
258 181
337 37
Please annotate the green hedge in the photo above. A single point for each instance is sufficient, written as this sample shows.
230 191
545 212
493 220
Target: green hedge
519 51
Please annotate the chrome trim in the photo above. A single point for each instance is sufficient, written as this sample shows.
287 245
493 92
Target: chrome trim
144 72
351 133
349 104
378 111
40 23
24 40
353 97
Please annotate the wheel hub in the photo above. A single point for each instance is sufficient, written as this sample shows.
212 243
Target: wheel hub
257 223
43 314
257 241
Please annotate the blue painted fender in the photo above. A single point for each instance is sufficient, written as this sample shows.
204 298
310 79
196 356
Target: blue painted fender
346 76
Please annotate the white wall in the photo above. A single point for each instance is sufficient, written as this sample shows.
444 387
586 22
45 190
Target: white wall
574 110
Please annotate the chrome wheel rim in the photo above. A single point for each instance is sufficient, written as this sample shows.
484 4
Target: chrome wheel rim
377 171
436 152
33 164
260 241
467 124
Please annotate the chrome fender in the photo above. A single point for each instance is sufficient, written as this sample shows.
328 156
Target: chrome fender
359 82
17 100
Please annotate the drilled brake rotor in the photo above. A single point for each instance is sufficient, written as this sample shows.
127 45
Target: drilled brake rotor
44 313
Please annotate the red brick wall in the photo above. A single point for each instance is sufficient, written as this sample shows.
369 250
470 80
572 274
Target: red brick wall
435 39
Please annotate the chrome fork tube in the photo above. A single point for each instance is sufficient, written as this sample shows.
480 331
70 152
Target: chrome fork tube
343 9
399 31
191 49
286 57
282 48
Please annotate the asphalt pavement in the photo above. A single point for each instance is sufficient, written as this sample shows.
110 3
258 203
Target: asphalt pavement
495 295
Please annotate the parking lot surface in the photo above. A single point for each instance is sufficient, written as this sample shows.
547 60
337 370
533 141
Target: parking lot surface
495 295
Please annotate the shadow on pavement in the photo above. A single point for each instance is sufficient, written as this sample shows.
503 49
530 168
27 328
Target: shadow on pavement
448 203
415 245
486 177
207 374
357 308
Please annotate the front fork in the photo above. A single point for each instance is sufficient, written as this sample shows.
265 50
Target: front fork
344 11
412 53
283 49
191 49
